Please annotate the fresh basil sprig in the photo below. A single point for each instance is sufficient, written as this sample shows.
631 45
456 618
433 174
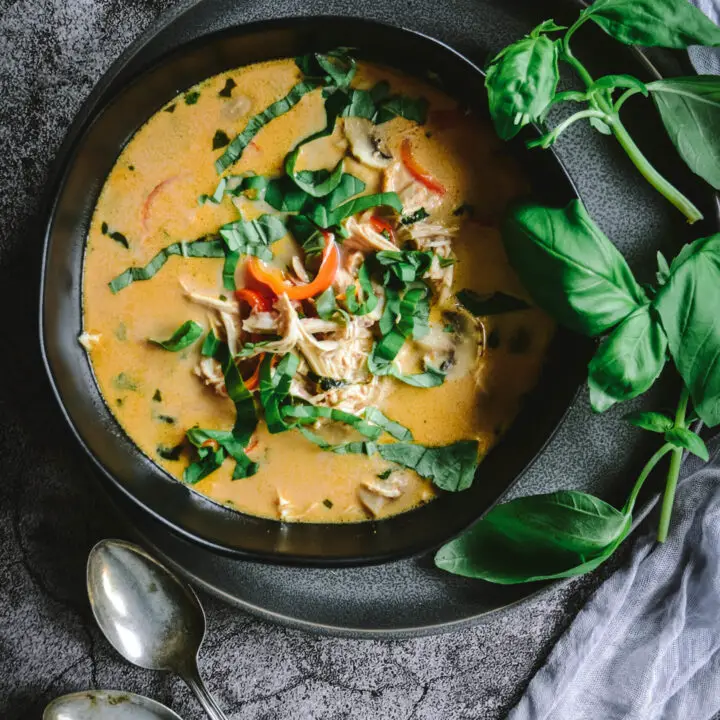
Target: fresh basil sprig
522 87
183 337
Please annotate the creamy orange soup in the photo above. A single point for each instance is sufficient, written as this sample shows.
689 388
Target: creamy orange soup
150 201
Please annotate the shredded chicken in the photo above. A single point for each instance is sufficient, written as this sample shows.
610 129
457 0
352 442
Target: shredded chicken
346 274
223 306
365 238
270 323
232 331
413 194
210 372
300 270
375 493
89 340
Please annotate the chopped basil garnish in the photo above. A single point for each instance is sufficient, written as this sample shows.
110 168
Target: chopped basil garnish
118 237
385 474
257 122
370 301
183 337
417 216
398 431
252 237
169 453
464 209
157 397
192 97
170 108
328 503
167 419
220 140
122 381
230 85
196 249
275 389
228 272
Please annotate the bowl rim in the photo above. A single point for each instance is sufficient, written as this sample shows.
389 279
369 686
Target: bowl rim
103 94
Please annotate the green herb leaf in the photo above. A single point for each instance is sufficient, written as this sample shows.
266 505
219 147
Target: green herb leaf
652 421
663 273
628 362
183 337
220 140
398 431
210 345
275 388
540 537
123 381
252 237
169 453
688 308
690 110
369 301
325 304
491 304
217 196
570 268
305 414
192 97
228 272
325 218
414 109
417 216
207 464
688 440
257 122
157 397
661 23
521 82
229 86
196 249
432 377
336 68
450 467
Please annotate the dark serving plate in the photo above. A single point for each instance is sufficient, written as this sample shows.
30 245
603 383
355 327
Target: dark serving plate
104 126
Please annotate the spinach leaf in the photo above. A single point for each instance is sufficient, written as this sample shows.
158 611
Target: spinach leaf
450 467
570 268
236 148
398 431
688 308
661 23
252 237
521 82
629 361
690 110
540 537
197 249
183 337
688 440
491 304
652 421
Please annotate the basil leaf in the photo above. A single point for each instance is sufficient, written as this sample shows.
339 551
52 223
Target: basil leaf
348 187
450 467
210 345
324 218
417 216
690 110
228 272
688 308
229 86
414 109
491 304
183 337
220 140
663 273
236 148
611 82
361 307
521 82
275 388
652 421
233 446
252 237
325 304
540 537
316 183
359 103
628 362
570 268
406 265
196 249
688 440
217 196
432 377
207 464
305 414
660 23
336 68
398 431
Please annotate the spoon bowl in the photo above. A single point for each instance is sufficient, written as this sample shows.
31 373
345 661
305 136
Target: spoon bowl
107 705
150 616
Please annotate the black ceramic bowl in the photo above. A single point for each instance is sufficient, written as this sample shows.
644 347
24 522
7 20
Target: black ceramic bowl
103 127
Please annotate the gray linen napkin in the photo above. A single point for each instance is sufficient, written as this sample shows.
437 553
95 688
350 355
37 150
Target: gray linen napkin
646 646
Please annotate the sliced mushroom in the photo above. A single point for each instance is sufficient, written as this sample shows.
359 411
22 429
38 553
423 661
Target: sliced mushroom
365 143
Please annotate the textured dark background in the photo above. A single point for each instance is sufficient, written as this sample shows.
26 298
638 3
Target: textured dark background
51 512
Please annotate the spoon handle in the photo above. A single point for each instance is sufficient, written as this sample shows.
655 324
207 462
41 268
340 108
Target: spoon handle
193 680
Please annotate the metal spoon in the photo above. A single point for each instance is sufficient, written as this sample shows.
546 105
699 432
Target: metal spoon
107 705
150 616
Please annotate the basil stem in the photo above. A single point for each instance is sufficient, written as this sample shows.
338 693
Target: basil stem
612 119
674 470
